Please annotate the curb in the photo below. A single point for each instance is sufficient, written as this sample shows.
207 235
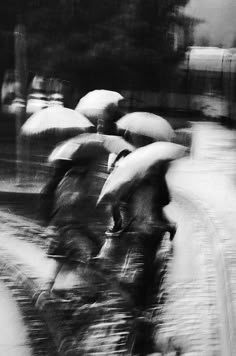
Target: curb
14 195
23 203
48 328
22 289
218 235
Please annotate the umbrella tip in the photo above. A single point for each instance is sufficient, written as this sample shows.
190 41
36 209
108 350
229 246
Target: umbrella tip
103 196
98 202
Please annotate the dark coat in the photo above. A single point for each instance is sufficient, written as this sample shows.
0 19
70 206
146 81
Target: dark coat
145 201
48 192
72 207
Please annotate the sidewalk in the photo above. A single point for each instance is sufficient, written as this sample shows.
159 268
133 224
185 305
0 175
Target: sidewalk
207 182
209 174
212 190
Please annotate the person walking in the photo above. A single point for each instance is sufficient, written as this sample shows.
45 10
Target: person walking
140 215
68 205
149 197
131 251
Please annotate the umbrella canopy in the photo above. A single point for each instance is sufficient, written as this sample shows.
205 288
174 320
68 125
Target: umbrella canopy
98 104
110 163
89 146
137 166
146 124
57 119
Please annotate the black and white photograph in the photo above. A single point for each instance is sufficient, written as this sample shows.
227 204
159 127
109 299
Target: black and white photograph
118 178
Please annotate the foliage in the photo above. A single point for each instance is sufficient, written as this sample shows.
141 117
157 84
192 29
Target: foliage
105 43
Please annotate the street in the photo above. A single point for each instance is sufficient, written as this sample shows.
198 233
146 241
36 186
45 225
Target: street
189 317
195 307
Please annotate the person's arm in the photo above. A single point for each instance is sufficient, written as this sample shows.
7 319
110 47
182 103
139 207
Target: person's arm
116 217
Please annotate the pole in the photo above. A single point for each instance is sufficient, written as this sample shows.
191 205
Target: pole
21 83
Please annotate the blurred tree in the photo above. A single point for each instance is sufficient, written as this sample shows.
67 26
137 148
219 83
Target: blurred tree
203 41
109 44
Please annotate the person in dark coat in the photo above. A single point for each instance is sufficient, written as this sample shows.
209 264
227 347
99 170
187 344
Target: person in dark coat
152 193
156 180
58 171
141 212
129 252
70 205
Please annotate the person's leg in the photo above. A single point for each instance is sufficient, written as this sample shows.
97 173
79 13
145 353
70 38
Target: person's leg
46 295
56 253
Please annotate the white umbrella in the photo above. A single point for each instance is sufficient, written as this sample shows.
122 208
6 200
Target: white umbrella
147 124
111 159
57 119
137 165
98 104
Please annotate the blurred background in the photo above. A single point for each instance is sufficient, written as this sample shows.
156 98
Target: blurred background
52 54
175 59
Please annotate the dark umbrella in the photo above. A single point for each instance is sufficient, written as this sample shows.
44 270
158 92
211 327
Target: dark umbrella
89 146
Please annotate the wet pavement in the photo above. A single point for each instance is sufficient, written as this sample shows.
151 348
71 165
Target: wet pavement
196 307
198 316
188 322
189 316
14 338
